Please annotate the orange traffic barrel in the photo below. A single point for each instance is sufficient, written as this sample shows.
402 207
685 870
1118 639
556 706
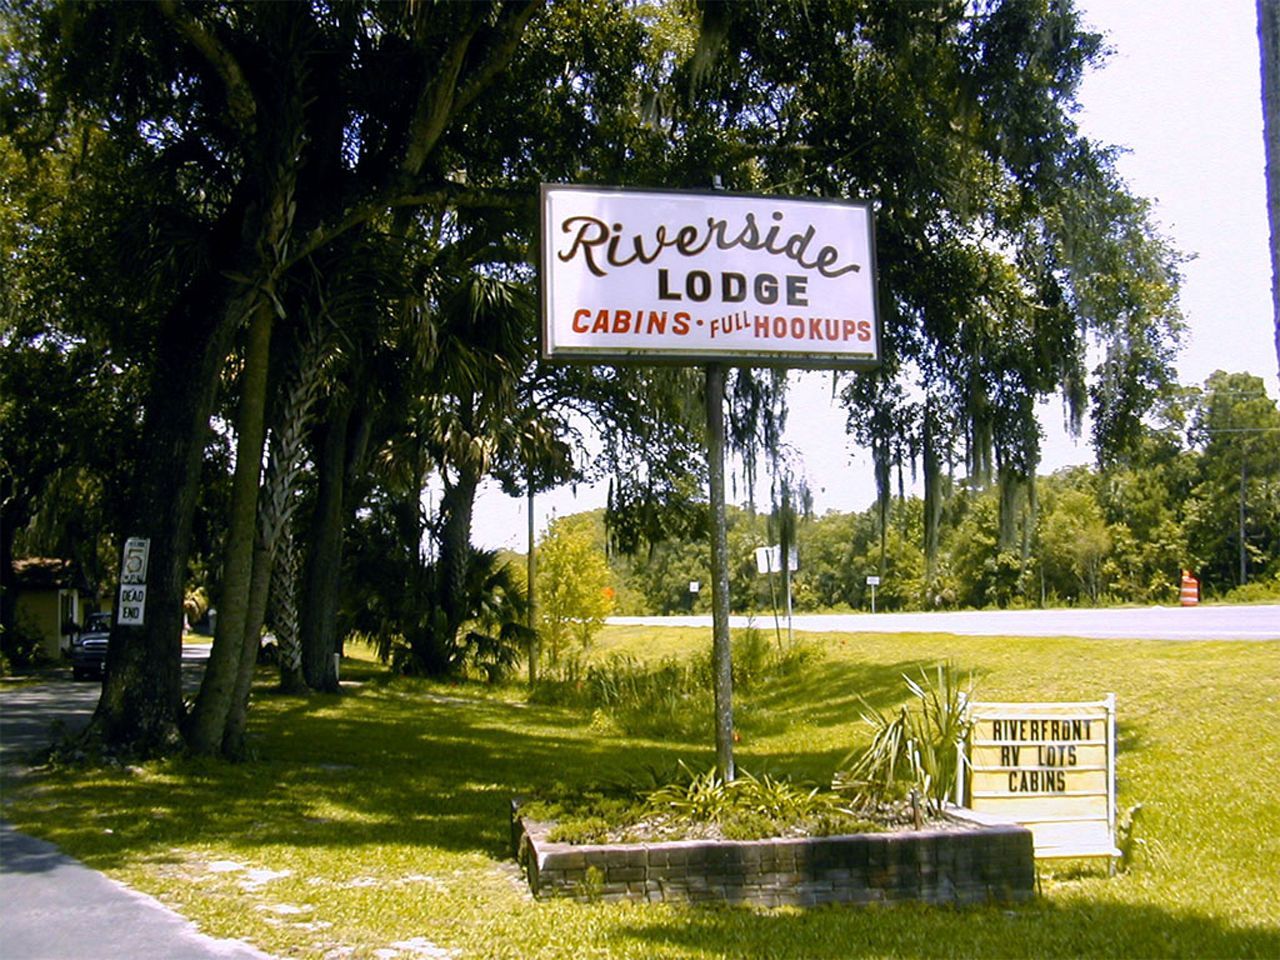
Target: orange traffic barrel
1190 593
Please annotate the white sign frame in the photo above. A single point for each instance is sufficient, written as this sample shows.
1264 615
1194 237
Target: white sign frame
1091 830
680 276
131 610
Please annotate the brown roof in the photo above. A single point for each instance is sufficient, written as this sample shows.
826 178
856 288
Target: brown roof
47 573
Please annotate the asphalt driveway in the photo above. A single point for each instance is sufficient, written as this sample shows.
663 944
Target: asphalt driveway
53 906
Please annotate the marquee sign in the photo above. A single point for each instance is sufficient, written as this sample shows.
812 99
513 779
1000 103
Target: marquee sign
1049 767
650 276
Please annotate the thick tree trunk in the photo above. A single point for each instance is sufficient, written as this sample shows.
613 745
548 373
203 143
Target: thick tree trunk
457 506
322 569
275 514
1269 42
141 705
284 602
255 616
218 689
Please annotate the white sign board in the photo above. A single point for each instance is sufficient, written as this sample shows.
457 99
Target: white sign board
873 581
637 275
1049 767
132 609
769 559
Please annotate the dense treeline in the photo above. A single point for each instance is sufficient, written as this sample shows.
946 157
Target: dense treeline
1200 491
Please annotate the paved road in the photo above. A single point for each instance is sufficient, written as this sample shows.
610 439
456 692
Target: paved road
54 907
33 715
1130 623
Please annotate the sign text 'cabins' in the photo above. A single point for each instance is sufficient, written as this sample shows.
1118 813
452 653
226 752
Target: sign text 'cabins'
681 276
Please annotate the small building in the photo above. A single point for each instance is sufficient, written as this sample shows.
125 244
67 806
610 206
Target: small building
51 595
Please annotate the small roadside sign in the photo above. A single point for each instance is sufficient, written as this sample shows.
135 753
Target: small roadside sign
1050 767
769 559
133 564
132 608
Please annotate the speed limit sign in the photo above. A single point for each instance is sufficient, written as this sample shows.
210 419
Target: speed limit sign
133 565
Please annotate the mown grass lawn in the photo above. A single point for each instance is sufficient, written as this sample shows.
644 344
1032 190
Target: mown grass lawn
377 820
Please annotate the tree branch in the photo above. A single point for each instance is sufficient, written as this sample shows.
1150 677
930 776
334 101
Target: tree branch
431 114
448 195
442 101
516 18
241 103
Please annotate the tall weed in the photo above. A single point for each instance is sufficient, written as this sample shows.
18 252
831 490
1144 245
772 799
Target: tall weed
669 697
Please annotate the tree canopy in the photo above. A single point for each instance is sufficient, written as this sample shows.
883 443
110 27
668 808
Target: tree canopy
304 233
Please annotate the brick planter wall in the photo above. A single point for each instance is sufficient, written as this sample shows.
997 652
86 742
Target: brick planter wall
985 863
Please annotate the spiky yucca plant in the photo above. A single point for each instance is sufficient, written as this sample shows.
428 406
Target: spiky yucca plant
917 747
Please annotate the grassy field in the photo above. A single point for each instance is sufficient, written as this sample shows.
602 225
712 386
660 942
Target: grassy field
376 820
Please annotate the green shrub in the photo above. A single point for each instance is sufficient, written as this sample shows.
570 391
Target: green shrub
750 807
667 698
689 804
1258 591
21 647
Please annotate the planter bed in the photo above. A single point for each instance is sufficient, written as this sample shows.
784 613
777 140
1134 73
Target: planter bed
977 863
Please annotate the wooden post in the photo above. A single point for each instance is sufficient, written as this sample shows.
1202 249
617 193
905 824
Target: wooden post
721 658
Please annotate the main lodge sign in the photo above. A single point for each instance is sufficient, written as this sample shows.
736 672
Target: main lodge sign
647 276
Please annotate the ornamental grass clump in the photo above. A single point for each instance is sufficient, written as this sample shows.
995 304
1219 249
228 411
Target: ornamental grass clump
694 805
748 808
914 751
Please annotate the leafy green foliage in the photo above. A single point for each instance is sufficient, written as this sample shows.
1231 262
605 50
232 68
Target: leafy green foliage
687 803
1233 513
750 807
664 698
415 637
235 161
1115 533
575 592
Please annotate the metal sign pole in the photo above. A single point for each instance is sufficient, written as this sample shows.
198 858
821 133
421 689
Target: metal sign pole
721 660
786 578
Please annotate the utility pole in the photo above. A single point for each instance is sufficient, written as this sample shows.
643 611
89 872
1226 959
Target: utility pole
1243 554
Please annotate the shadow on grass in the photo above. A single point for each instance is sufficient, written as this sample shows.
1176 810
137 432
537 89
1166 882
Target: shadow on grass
395 764
410 763
1038 930
782 702
427 767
